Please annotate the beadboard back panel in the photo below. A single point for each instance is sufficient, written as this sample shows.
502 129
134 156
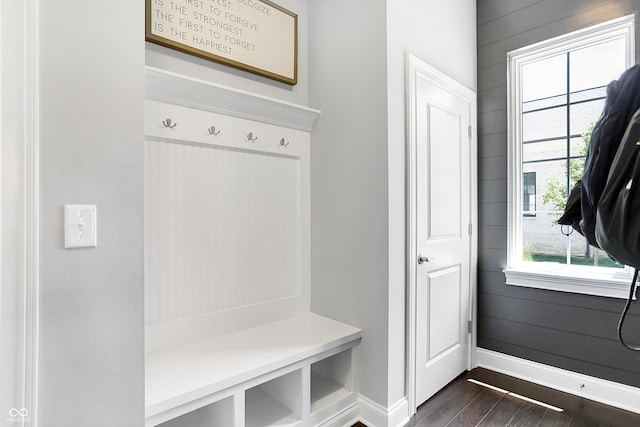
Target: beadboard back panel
226 222
223 228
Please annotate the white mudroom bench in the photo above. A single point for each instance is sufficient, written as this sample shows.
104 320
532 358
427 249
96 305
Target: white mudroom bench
293 372
231 340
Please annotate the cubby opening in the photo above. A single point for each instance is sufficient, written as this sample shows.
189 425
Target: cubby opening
275 403
219 413
331 380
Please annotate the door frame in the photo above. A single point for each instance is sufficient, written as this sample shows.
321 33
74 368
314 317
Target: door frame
19 202
416 68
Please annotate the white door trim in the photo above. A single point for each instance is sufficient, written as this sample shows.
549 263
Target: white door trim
415 68
20 68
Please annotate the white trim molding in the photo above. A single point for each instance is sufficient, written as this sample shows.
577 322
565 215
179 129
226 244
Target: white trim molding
19 144
580 282
374 414
177 89
345 418
32 208
603 391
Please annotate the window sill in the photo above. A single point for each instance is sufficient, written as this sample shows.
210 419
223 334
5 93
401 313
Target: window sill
563 280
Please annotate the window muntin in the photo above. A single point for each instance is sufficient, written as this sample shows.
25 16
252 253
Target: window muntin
557 91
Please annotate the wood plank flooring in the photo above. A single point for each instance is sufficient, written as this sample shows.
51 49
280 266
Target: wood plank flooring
464 403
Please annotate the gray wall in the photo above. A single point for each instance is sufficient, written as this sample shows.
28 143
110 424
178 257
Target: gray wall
91 359
569 331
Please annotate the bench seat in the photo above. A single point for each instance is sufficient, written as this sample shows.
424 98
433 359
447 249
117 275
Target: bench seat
179 376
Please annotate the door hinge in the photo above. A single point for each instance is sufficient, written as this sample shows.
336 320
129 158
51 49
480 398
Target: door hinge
470 326
469 128
470 229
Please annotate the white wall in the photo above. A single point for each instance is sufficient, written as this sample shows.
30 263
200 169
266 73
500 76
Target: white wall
357 78
91 347
91 152
178 62
443 35
349 177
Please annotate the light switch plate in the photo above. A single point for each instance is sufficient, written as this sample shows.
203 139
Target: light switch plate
80 226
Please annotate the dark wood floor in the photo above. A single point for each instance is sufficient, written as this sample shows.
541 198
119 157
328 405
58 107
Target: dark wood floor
464 403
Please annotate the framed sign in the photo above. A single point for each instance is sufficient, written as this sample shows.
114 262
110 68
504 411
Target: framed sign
253 35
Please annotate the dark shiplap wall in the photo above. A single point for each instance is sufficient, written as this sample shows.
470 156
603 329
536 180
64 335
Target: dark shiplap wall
569 331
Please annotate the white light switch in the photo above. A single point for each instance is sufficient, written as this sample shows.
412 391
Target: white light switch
80 226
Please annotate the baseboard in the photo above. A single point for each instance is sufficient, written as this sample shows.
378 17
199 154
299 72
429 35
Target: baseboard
603 391
374 415
345 418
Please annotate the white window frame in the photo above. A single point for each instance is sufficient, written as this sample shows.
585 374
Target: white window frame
602 281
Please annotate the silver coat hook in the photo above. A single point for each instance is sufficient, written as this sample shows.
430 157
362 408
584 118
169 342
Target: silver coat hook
167 124
284 143
251 138
212 131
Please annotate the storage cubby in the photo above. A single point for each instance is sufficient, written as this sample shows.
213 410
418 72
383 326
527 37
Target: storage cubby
331 380
275 403
216 414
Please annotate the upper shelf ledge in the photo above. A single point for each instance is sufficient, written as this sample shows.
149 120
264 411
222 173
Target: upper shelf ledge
178 89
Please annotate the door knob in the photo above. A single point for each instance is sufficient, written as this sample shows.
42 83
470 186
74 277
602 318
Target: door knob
422 259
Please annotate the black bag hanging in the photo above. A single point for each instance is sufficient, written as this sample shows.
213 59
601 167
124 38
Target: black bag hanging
573 210
623 99
632 291
618 216
617 223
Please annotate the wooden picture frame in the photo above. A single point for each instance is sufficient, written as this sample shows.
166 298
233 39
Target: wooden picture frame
257 36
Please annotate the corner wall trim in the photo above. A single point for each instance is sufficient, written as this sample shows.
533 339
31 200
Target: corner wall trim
28 188
373 414
603 391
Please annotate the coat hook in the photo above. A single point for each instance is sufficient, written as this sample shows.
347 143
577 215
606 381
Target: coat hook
212 131
167 124
284 143
251 138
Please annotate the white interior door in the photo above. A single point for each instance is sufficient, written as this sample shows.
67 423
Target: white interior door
442 227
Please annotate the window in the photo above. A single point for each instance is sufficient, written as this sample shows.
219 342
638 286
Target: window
557 90
529 194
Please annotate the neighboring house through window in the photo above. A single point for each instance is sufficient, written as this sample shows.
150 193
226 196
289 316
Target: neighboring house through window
557 90
529 194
